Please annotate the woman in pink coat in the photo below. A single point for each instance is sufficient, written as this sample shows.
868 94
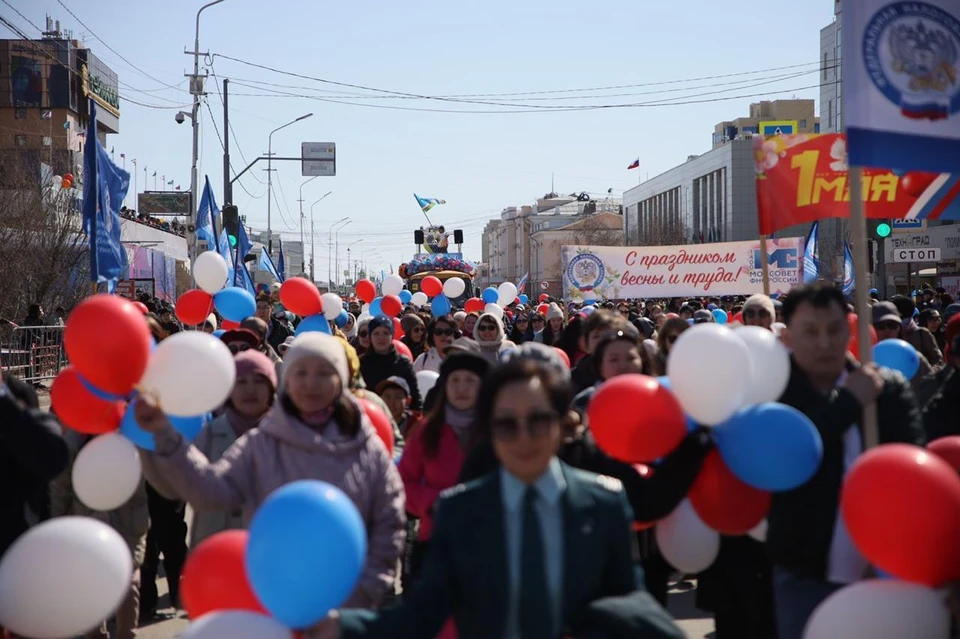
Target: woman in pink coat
317 430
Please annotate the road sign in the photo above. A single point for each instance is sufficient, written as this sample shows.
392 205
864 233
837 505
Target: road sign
907 224
544 285
319 158
916 255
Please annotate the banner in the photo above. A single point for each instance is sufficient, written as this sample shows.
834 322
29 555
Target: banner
694 270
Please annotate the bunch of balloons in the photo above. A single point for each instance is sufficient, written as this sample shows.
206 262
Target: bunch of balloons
728 380
63 182
235 304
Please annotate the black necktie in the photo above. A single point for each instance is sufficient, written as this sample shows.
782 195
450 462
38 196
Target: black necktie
536 618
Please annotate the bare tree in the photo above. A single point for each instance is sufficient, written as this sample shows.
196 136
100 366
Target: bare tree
594 231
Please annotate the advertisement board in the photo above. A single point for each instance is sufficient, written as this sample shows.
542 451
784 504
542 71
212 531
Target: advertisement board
163 203
726 268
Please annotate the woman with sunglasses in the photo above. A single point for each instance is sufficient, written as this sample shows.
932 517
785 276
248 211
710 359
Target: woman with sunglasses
537 323
533 549
362 342
520 332
489 334
441 332
414 331
383 360
666 338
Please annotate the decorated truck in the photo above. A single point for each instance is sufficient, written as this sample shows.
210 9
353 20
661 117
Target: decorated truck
443 266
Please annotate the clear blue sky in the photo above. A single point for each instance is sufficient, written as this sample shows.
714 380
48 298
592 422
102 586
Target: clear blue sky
478 162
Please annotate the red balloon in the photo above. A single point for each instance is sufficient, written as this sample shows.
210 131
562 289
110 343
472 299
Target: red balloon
380 422
301 297
81 410
948 448
916 182
431 286
108 342
853 346
641 435
543 308
194 306
563 355
901 504
141 307
391 305
725 503
543 297
366 290
68 176
474 304
215 576
403 349
397 327
229 325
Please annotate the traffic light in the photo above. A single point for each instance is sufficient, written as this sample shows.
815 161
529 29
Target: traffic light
231 222
883 230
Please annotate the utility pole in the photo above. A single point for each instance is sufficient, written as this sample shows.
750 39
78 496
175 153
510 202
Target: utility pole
303 247
227 186
270 180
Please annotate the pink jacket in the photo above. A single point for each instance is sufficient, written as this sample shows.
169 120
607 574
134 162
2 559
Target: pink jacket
424 478
283 450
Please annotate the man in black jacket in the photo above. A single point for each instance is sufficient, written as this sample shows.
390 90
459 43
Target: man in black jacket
812 552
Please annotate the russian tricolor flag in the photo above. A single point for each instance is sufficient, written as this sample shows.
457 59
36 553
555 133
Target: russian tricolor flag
634 165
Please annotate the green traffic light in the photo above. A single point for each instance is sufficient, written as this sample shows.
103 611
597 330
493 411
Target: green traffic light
883 229
233 240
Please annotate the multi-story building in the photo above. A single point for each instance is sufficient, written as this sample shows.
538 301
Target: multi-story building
295 261
831 85
769 118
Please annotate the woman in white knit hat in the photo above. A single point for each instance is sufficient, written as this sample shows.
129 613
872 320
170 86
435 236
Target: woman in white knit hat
316 430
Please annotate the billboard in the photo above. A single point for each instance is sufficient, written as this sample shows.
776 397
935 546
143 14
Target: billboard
163 203
777 127
26 81
98 81
725 268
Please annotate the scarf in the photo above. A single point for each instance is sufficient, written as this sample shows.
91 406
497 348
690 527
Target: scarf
318 419
239 423
459 421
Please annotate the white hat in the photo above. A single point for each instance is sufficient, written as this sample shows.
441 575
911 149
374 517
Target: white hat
211 320
315 344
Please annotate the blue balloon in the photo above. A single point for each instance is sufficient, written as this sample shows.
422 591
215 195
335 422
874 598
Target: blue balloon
770 446
342 319
306 548
313 324
720 316
189 427
405 296
441 306
110 397
898 355
490 295
235 303
374 308
523 298
218 332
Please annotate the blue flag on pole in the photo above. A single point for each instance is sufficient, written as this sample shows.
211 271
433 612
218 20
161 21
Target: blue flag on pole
104 187
241 275
849 281
206 214
281 264
266 264
811 255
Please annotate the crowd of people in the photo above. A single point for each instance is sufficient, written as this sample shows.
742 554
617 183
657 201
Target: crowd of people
170 226
499 515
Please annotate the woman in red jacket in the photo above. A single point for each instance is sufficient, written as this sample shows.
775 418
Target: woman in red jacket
437 446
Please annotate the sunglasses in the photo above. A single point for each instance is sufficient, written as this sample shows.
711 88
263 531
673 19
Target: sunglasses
750 313
889 326
487 327
536 425
443 332
238 348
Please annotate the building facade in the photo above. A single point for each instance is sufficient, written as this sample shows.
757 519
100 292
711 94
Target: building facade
769 118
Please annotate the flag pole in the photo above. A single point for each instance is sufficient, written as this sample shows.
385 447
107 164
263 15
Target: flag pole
858 233
765 264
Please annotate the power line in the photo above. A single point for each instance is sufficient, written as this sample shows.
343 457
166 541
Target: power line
222 146
230 126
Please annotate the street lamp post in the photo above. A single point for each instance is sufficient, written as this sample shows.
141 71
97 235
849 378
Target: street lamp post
336 272
348 255
303 247
270 179
313 237
344 221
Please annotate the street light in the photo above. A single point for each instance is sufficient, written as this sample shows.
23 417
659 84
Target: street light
348 254
303 247
344 220
270 177
336 270
313 239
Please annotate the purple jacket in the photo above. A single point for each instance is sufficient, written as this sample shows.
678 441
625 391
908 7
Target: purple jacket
283 450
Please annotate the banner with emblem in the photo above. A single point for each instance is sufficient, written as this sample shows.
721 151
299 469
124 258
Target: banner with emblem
901 77
723 268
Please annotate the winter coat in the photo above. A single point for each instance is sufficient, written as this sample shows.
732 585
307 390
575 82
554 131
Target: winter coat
425 477
284 449
214 440
941 417
131 520
428 361
491 350
376 367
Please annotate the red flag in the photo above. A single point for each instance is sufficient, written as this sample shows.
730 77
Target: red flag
634 165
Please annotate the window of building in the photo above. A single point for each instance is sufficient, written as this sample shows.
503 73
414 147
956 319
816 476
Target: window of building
803 124
830 114
826 63
20 140
20 114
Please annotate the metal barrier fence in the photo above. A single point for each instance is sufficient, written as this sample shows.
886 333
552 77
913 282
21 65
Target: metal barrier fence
33 353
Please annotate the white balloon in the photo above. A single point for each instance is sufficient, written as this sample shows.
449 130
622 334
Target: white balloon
759 532
494 309
425 381
419 298
191 373
507 294
58 179
769 364
454 287
106 472
236 624
685 541
880 609
63 577
709 371
210 271
332 305
392 285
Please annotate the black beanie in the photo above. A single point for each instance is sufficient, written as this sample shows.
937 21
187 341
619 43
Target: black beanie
464 361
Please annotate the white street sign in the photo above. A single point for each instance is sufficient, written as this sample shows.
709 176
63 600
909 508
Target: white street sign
544 285
319 158
916 255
